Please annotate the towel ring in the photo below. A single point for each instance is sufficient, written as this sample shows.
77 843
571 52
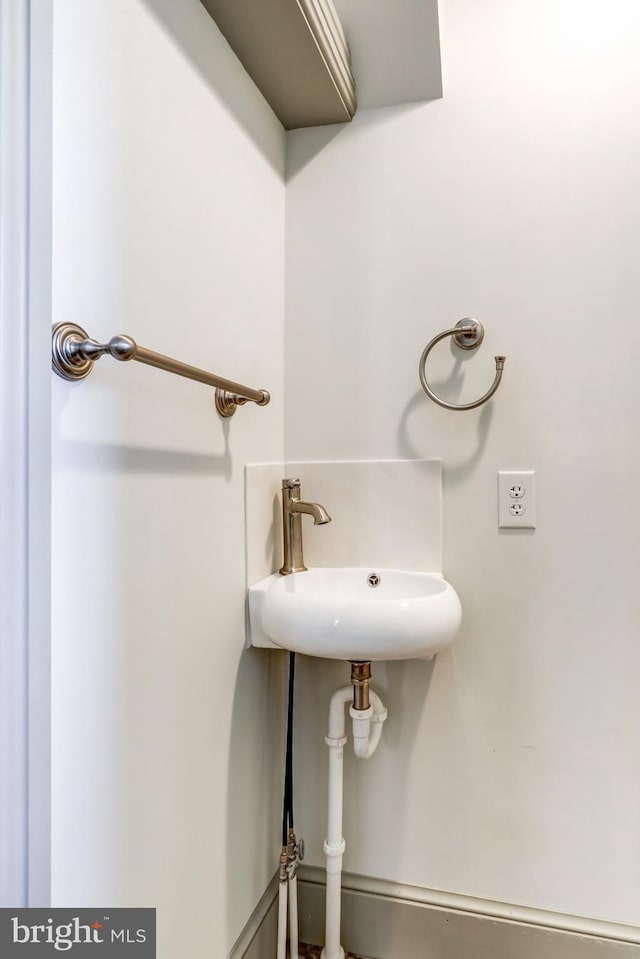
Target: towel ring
468 334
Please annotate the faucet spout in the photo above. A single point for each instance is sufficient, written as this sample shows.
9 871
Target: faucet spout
292 510
319 513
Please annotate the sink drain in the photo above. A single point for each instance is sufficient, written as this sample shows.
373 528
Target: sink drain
373 579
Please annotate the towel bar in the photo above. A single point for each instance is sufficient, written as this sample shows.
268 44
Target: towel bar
74 353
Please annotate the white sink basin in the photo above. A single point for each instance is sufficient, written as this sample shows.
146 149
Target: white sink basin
337 614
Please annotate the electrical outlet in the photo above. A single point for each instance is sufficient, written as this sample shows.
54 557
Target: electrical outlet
517 499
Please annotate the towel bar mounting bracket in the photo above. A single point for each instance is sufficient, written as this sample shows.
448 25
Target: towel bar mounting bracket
468 339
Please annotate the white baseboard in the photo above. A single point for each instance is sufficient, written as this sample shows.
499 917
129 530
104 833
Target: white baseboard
385 920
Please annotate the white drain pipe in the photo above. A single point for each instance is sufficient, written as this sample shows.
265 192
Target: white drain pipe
367 729
367 726
334 844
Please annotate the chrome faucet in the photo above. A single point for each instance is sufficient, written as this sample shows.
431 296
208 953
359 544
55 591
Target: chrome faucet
292 509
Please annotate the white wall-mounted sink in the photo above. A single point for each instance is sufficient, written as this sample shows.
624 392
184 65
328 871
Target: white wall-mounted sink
339 614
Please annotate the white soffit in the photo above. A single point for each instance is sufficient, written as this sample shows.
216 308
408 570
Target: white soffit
294 52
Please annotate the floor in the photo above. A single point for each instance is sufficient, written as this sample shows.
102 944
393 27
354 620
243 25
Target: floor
313 952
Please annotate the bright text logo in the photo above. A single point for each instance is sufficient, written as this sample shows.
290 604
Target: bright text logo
28 933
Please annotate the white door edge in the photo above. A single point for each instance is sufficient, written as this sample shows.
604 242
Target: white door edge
25 431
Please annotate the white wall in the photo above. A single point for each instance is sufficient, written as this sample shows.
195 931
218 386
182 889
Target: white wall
509 769
169 226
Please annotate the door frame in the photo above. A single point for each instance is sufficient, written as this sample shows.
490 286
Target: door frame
26 40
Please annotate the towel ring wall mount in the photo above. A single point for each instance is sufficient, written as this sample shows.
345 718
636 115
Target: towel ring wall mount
468 334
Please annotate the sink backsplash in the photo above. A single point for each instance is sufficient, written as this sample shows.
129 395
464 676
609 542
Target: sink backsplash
386 513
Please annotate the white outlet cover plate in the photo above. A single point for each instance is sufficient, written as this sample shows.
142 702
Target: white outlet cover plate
517 489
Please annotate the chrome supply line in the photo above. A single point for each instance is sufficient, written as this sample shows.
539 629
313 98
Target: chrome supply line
74 353
468 334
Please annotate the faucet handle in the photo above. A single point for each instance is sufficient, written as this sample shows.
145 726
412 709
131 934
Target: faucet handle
291 484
